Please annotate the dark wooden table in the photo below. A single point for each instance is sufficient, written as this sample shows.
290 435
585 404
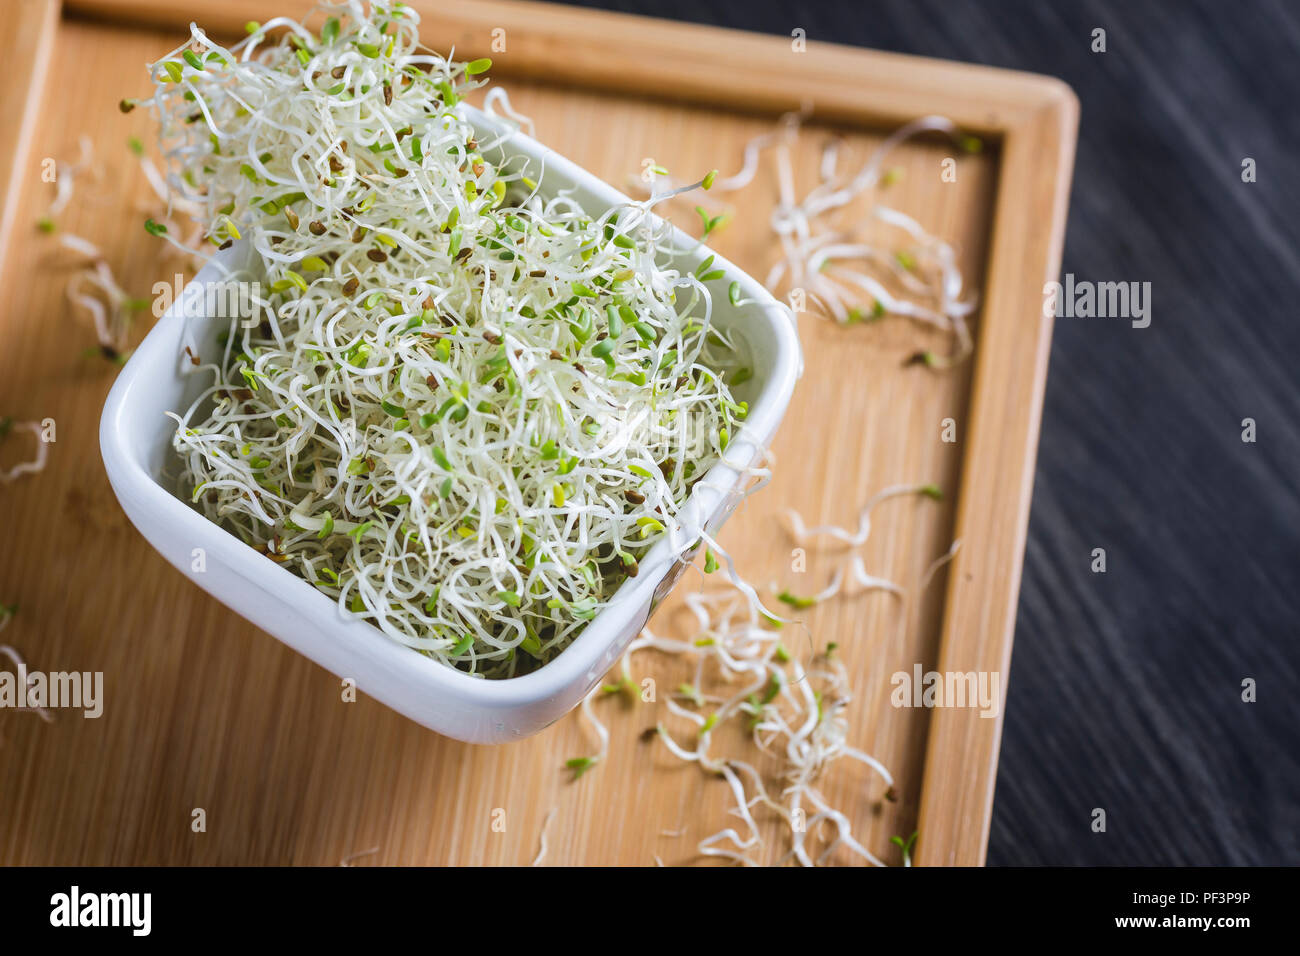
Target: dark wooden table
1126 687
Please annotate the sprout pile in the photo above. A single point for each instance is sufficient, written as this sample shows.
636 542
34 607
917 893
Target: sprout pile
462 406
794 711
843 264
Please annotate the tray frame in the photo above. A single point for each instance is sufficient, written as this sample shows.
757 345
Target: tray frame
1033 122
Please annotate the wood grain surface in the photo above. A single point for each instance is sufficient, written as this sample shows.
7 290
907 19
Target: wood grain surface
26 51
204 711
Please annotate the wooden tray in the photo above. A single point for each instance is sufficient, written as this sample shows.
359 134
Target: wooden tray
203 711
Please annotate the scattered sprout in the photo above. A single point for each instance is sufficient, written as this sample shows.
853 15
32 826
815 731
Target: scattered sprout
7 428
20 665
800 715
834 265
541 849
906 846
859 537
580 765
795 601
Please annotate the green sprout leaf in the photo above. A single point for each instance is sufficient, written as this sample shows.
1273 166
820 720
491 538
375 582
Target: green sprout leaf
796 601
580 765
906 846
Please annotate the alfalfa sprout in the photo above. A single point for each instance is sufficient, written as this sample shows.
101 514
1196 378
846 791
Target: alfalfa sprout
467 407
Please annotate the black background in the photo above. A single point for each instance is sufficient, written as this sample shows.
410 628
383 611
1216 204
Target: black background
303 906
1125 688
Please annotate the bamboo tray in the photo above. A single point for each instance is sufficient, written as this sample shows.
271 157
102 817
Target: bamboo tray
203 711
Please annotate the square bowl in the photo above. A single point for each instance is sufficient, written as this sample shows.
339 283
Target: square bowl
135 442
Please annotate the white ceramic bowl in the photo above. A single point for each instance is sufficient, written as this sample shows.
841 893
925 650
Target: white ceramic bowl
135 440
